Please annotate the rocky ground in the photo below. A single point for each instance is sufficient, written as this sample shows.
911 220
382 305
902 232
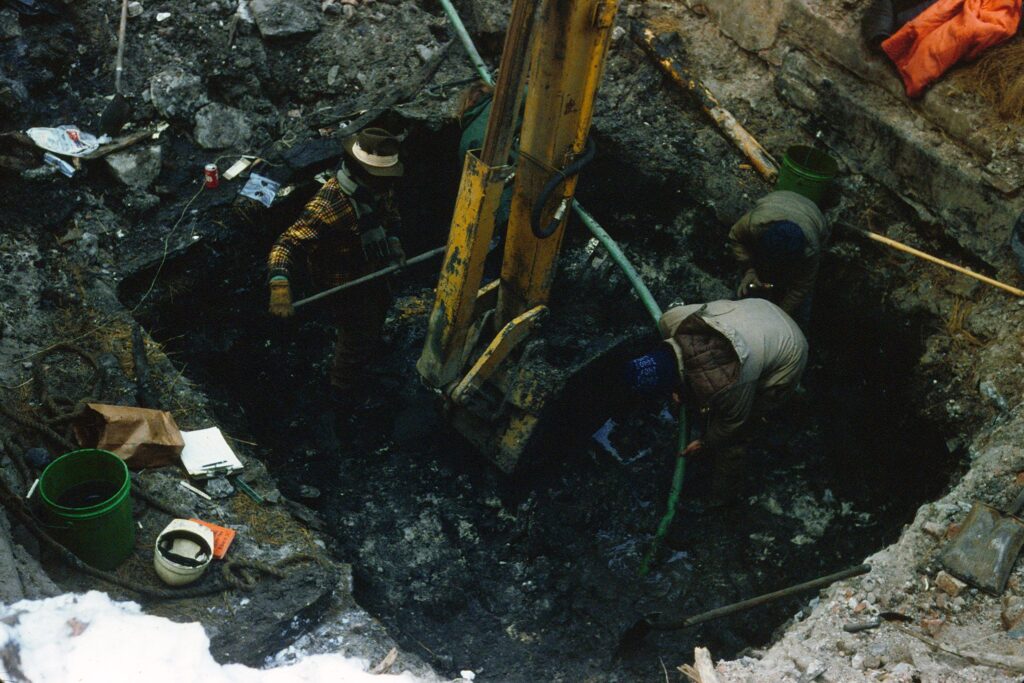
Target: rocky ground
910 410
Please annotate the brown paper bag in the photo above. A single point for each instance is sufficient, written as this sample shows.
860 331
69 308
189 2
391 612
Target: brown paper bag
139 436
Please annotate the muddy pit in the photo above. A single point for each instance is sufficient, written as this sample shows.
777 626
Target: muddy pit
534 577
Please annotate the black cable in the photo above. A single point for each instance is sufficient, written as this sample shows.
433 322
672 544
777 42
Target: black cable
557 179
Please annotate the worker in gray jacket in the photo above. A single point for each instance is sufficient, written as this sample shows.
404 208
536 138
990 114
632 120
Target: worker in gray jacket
730 360
780 243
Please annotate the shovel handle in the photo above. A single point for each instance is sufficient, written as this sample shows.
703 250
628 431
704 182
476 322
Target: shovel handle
119 61
372 276
762 599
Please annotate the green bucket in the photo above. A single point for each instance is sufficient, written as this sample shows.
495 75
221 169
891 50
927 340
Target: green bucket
86 506
806 171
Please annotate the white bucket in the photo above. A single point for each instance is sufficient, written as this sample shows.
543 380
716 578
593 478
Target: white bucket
182 552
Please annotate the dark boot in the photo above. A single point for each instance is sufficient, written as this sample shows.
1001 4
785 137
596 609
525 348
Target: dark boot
729 477
343 404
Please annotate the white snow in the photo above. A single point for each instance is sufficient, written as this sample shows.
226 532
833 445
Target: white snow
88 638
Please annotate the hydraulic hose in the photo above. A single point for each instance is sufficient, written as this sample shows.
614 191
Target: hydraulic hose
549 187
602 236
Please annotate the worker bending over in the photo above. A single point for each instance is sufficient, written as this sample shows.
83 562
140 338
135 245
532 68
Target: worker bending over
731 361
342 233
780 242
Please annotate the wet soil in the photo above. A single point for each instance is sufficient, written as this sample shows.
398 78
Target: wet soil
535 577
523 578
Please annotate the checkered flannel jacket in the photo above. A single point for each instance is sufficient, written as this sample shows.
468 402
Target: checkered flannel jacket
327 234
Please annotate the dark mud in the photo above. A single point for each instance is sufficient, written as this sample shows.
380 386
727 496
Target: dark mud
534 577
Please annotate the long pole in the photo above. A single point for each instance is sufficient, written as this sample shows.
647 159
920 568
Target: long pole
366 278
119 61
899 246
762 599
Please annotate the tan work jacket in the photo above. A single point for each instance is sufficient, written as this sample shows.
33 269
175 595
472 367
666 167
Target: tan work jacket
784 206
767 360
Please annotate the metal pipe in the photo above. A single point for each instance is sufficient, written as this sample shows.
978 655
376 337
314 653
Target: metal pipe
467 41
366 278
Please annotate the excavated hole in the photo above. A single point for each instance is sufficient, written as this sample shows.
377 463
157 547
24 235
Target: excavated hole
535 578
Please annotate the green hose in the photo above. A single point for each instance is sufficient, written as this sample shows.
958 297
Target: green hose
602 236
467 42
646 298
673 494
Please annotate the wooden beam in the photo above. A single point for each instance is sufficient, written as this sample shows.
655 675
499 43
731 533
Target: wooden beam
683 77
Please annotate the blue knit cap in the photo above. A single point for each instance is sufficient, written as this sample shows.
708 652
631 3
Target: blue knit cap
782 239
654 371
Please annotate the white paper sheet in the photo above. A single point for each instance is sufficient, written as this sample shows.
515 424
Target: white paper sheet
206 453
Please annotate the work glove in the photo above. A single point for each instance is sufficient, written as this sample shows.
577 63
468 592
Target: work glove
375 245
693 448
396 252
750 284
281 299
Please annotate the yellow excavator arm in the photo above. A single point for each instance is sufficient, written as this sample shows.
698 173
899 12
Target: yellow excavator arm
475 331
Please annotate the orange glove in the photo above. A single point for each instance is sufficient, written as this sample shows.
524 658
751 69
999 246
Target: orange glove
751 285
693 448
281 298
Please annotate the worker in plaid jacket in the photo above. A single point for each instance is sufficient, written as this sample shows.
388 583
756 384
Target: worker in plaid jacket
342 234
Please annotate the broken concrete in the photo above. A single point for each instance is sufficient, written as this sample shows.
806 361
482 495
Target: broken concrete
136 168
221 127
176 93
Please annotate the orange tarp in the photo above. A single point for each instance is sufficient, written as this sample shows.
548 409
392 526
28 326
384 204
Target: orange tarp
948 31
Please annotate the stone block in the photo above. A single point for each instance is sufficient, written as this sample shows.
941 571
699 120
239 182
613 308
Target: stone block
219 126
177 93
874 136
1012 615
283 18
137 167
949 585
753 24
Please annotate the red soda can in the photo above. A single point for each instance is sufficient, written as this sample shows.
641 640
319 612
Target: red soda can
212 176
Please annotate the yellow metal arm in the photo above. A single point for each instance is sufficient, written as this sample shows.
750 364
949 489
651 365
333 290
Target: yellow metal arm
566 67
513 334
472 227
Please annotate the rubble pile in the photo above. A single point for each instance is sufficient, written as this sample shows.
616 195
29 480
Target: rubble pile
909 415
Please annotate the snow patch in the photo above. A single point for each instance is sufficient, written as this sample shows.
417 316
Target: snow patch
89 638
